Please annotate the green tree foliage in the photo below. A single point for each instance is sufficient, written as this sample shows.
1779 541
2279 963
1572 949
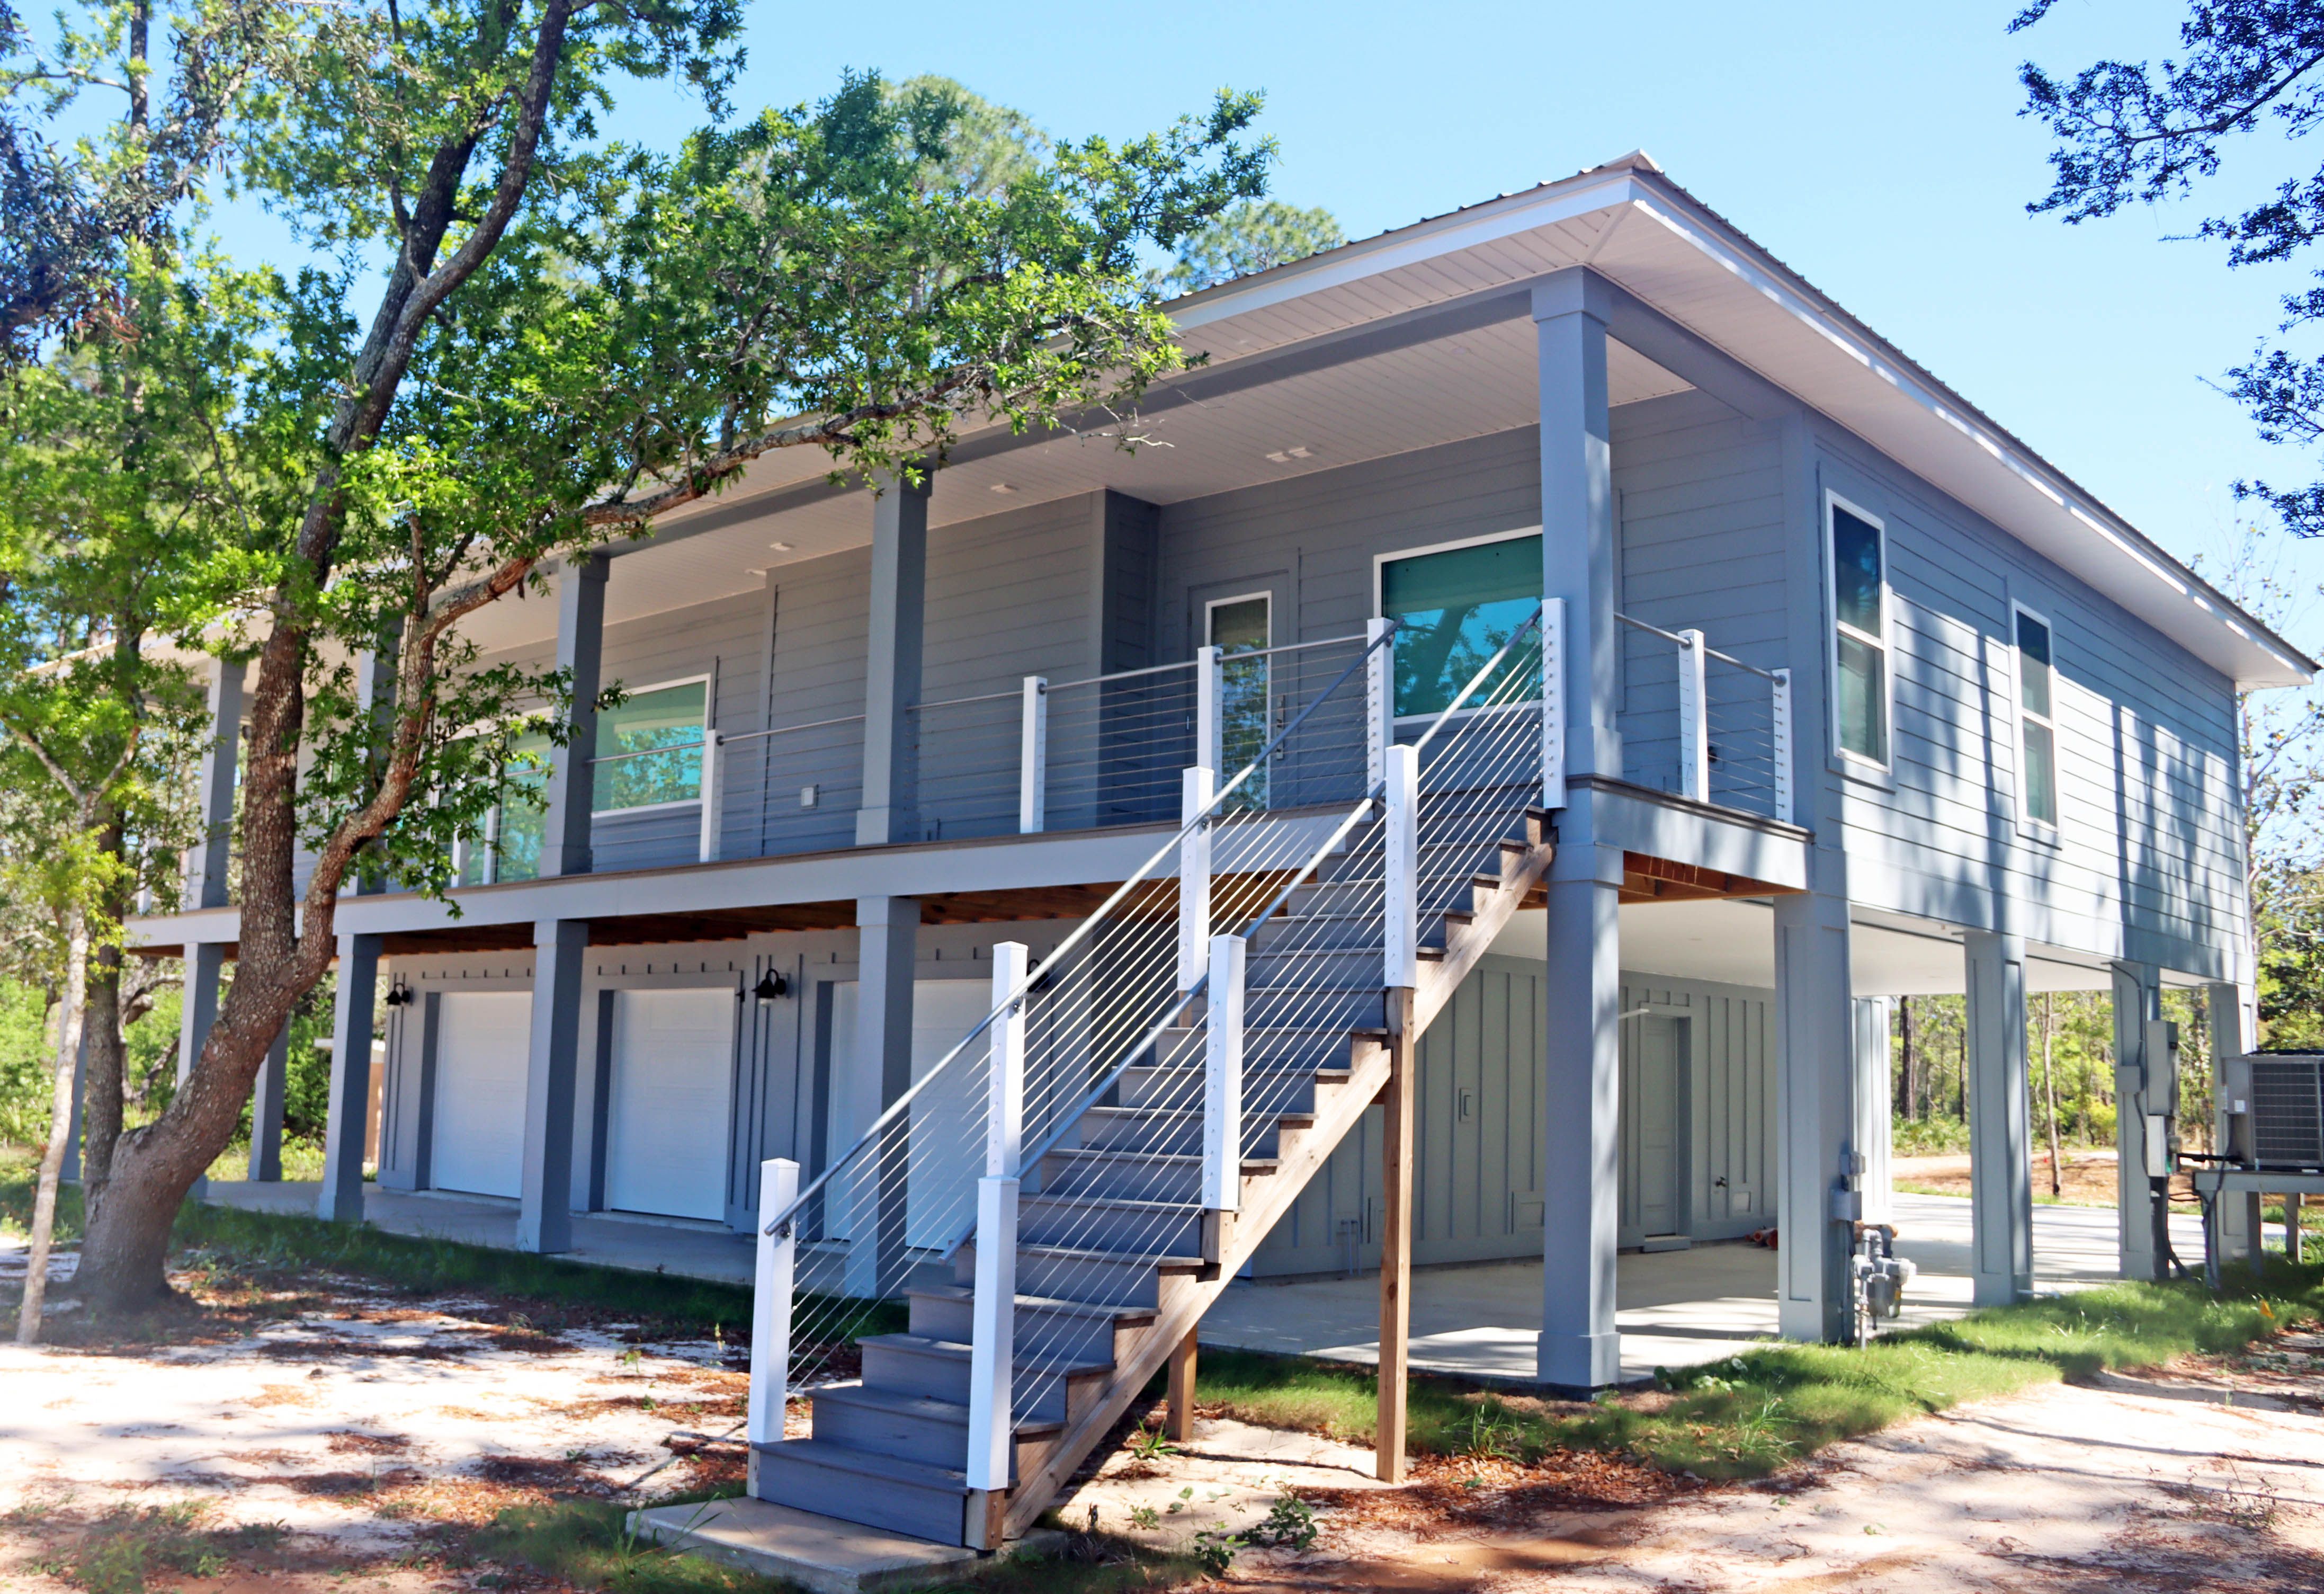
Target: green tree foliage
521 342
1251 237
2147 133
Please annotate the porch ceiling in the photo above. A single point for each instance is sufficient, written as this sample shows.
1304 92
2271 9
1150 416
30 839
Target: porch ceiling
1626 220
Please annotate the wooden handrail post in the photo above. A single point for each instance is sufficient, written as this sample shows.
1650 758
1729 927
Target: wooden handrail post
1396 1236
770 1311
1033 759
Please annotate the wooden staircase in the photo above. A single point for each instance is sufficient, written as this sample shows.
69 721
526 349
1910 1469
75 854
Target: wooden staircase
1116 1261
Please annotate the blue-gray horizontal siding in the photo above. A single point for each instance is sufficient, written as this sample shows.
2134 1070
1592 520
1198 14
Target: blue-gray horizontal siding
2148 855
1701 496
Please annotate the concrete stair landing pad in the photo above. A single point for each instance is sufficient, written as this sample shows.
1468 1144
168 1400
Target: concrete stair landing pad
821 1553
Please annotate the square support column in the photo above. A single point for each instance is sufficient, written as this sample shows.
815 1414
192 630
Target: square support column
205 972
1578 536
266 1112
2000 1123
375 690
1875 1107
1580 1349
565 847
210 861
2233 1014
891 673
2137 998
888 930
560 948
1819 1166
341 1199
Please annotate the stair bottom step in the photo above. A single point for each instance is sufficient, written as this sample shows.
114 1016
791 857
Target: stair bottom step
857 1485
827 1554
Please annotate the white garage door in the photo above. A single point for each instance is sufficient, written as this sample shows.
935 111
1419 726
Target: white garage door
667 1120
480 1040
947 1143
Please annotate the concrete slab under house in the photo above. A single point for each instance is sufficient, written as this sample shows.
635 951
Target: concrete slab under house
1438 841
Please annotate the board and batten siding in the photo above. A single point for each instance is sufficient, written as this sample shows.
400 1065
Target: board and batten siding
1479 1176
2146 861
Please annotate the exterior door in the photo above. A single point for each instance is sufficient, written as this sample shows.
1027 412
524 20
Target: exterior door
1658 1144
481 1040
1236 626
669 1111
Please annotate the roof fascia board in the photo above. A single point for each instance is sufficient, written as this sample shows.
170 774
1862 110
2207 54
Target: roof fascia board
1842 334
1569 201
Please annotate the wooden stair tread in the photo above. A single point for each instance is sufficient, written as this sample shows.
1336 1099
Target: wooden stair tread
954 1351
869 1464
1132 1316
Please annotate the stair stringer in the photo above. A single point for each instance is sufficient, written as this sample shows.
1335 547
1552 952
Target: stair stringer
1266 1197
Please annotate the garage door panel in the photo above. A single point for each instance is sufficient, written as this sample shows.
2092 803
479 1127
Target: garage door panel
481 1039
669 1117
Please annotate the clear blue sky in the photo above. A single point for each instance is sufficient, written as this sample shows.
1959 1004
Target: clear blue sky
1875 148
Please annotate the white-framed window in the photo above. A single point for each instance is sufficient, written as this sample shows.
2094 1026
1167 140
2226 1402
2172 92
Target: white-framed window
1455 605
1863 683
669 714
2037 723
1243 624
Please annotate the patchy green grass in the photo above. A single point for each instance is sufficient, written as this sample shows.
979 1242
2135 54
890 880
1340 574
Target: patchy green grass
1776 1402
127 1550
18 1168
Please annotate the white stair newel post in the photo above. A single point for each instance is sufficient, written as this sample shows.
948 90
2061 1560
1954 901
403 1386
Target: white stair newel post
1210 730
1379 699
1693 723
992 1359
1401 846
1033 759
1780 711
1199 785
1553 703
1004 1142
771 1306
1222 1078
714 767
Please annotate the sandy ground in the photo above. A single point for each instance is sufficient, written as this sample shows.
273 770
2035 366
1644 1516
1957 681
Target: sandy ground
2085 1178
365 1437
358 1438
2208 1476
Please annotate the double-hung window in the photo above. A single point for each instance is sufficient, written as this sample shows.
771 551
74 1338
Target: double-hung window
2037 725
1454 608
1861 690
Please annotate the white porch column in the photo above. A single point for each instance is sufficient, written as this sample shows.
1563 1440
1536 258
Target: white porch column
266 1112
572 778
1875 1106
205 973
2000 1126
1816 1153
376 690
210 861
341 1199
888 931
892 675
2233 1014
1578 542
1581 1350
560 951
2137 998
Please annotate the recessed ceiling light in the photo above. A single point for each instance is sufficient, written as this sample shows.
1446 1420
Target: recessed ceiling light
780 547
1004 487
1286 456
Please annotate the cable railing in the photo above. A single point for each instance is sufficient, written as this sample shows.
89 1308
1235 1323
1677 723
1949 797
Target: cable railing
1113 1091
1704 724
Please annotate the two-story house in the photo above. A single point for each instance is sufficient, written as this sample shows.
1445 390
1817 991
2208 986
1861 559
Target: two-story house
1755 678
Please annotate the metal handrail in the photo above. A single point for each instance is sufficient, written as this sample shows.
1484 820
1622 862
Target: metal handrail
1079 934
1329 845
784 730
1708 652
